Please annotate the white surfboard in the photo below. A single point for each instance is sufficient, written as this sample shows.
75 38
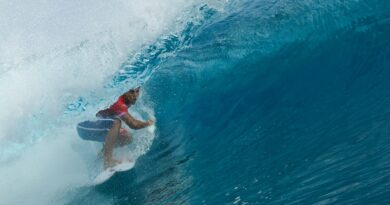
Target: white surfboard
109 172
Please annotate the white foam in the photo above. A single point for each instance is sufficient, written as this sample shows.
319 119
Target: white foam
51 52
43 171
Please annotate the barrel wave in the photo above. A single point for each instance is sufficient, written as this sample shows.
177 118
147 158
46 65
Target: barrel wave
257 102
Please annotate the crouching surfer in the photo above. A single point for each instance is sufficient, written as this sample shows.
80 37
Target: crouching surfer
108 128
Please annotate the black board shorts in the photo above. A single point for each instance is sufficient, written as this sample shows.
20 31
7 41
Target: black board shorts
95 130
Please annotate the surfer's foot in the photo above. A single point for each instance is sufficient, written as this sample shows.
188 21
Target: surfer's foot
111 163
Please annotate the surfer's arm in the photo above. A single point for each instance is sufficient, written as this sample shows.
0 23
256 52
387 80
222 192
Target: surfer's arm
135 124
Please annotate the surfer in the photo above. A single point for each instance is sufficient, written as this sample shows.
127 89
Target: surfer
118 112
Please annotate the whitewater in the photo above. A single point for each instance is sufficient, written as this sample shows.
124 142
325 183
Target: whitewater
57 60
256 102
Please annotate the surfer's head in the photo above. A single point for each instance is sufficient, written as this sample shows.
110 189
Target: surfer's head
131 96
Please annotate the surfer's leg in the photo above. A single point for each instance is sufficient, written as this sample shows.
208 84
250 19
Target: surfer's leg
125 138
110 142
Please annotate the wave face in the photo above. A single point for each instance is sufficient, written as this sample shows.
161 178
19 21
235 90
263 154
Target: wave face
257 102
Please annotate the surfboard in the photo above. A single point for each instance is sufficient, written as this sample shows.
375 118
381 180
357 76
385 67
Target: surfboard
109 172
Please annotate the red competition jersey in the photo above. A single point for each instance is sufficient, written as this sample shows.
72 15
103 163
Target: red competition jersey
118 109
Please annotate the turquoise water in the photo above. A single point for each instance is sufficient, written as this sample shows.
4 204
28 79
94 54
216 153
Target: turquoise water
257 102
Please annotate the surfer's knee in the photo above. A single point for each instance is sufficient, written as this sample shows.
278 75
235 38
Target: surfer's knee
127 139
124 138
116 123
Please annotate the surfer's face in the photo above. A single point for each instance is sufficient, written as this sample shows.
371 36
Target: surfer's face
131 97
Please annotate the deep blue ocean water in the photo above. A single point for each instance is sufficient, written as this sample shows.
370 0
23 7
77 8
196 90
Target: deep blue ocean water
276 102
266 102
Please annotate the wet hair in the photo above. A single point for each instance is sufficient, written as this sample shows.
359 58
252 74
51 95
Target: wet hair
134 90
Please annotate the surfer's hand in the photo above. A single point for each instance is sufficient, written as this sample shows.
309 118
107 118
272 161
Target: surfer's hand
150 122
